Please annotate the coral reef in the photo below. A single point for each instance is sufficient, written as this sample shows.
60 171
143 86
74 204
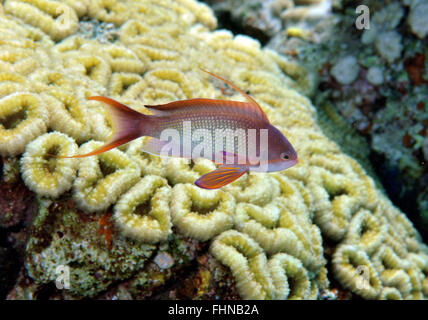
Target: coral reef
132 222
77 245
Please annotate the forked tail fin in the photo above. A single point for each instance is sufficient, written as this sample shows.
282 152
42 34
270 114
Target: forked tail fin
127 126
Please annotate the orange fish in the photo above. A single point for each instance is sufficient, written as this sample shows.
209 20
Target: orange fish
237 135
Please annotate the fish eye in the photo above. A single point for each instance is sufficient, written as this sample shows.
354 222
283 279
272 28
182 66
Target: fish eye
284 156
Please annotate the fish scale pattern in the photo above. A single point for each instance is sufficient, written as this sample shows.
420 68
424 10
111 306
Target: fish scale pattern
269 230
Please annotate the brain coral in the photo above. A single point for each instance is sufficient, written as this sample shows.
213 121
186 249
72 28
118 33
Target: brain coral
276 234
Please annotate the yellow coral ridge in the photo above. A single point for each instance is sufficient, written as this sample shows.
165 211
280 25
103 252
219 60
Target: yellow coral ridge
109 11
99 120
337 198
390 294
122 59
282 224
121 82
290 277
10 83
46 175
56 19
68 115
187 171
17 60
366 231
102 179
143 212
148 163
259 189
258 222
353 269
23 117
247 262
80 6
199 213
282 276
96 68
45 80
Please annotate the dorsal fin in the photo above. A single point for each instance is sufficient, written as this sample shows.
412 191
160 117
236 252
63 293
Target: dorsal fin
183 105
251 100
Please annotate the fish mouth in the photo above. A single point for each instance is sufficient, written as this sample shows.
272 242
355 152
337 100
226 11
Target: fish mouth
292 163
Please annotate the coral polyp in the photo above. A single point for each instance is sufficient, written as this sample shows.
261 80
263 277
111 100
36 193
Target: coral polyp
143 212
108 11
122 59
259 189
56 19
103 178
23 117
201 214
148 163
247 262
68 115
186 171
353 268
42 172
286 269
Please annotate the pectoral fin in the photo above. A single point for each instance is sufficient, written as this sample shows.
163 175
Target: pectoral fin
159 147
154 146
220 177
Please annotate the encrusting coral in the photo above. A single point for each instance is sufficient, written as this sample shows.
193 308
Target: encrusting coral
77 244
267 229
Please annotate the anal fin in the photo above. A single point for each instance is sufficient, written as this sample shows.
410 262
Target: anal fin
220 177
